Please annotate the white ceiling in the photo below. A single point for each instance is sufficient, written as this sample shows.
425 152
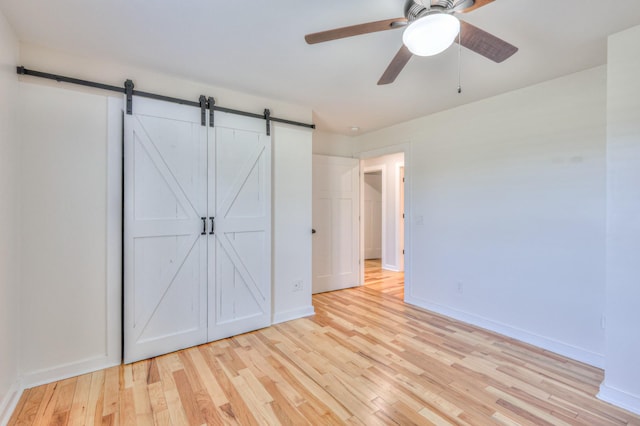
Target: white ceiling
258 47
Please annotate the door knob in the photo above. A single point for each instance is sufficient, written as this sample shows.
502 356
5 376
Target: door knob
313 231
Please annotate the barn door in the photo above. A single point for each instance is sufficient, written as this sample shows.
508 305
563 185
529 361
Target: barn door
165 264
240 277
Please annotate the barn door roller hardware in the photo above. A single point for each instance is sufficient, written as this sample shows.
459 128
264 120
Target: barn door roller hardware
267 118
203 110
129 91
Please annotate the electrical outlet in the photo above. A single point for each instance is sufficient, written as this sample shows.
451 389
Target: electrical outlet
297 286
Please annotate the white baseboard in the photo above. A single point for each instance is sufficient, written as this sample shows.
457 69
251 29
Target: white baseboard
573 352
61 372
629 402
392 268
292 314
10 401
41 377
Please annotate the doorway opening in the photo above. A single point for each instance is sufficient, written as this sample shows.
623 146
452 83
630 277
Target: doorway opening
372 215
382 223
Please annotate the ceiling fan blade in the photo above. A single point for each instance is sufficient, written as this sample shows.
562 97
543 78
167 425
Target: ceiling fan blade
485 44
476 5
397 64
354 30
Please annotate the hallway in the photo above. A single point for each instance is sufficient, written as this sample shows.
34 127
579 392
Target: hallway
382 280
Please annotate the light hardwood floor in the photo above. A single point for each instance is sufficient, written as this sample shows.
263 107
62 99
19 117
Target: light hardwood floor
365 358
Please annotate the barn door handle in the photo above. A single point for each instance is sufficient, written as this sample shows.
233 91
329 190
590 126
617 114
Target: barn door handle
213 226
204 226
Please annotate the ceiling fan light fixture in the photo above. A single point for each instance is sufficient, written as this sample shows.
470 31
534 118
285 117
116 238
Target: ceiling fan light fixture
431 34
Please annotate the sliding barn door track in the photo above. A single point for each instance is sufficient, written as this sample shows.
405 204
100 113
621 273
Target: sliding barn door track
204 103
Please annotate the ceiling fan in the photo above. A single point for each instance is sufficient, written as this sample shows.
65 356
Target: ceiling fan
427 21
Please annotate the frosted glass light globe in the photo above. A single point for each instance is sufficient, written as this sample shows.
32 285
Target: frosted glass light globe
431 34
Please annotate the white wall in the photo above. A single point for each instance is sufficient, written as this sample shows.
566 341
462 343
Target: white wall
64 213
9 221
65 188
389 165
325 143
508 212
622 371
291 223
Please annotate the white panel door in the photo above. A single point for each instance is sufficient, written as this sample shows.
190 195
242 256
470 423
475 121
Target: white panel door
336 199
240 278
165 255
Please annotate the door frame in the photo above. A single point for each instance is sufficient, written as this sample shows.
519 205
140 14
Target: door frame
399 209
405 148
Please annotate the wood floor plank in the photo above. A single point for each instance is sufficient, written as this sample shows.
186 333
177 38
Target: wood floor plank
255 396
175 408
142 401
364 358
27 407
216 394
64 399
113 383
17 411
188 398
205 404
236 409
158 403
314 397
80 403
286 412
127 413
45 408
95 398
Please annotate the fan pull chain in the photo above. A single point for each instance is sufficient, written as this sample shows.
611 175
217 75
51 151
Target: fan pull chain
459 61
